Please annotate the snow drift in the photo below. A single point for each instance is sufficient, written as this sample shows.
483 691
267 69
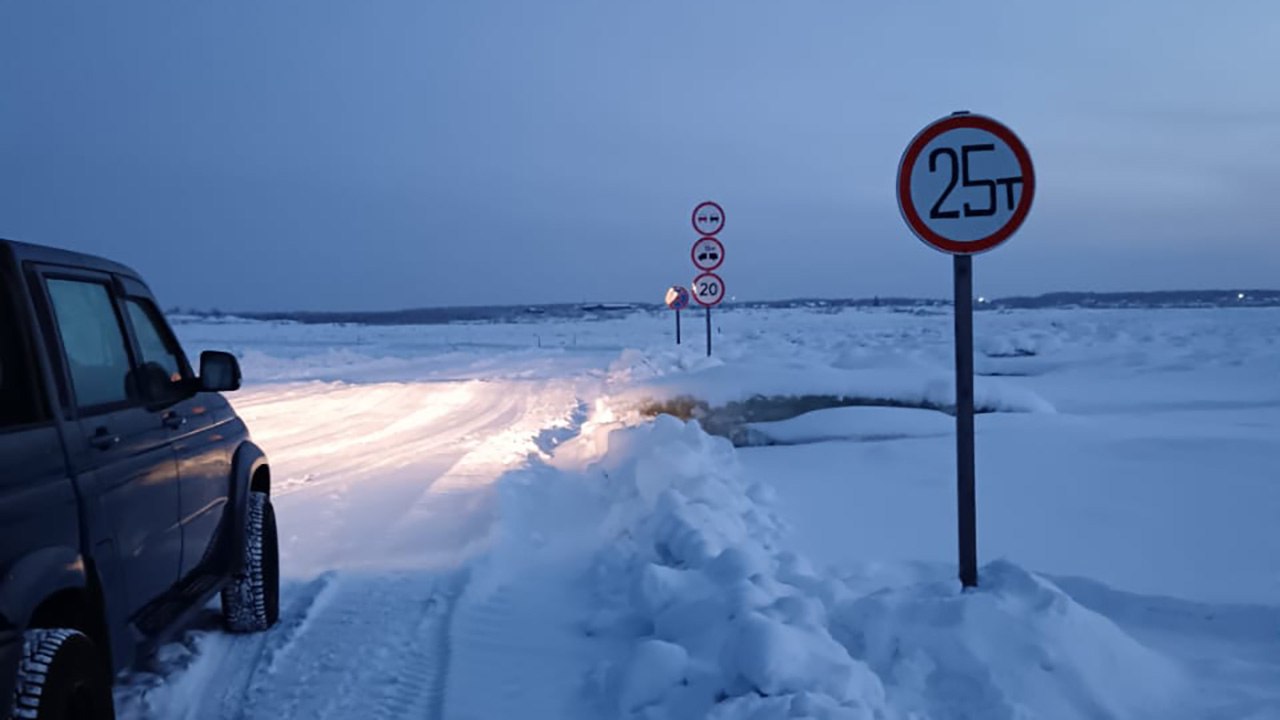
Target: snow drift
721 621
693 608
722 385
696 610
1017 647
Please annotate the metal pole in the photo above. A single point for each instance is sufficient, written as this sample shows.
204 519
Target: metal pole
965 493
708 331
677 327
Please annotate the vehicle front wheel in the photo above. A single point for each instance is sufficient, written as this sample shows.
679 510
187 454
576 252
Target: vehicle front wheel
61 677
251 601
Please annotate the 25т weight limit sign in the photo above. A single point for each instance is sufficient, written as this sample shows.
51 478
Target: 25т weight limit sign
965 184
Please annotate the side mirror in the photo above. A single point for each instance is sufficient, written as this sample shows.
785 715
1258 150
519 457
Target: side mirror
219 371
152 384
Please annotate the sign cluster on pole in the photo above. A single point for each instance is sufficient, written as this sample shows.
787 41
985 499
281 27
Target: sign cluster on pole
965 185
708 255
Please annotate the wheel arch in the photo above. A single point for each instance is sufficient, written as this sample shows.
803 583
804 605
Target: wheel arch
250 472
56 588
38 576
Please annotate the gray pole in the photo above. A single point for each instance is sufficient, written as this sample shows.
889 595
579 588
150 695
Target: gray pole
708 331
965 493
677 327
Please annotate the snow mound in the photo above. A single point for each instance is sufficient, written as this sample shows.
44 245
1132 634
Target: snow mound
1019 343
714 620
1017 647
721 385
854 423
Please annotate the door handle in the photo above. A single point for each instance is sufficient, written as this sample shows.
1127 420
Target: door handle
103 439
173 420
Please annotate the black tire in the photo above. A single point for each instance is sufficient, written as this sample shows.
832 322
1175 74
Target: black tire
251 600
62 677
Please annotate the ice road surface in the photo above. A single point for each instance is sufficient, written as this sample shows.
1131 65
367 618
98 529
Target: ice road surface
485 521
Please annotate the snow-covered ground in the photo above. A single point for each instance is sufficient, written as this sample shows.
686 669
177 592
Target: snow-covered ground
486 521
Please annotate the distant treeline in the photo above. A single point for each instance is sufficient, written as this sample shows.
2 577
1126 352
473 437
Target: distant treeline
571 311
1156 299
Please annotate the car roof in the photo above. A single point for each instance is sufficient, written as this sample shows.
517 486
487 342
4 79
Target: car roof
29 252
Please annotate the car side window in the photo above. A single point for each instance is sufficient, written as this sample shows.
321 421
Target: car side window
164 368
92 341
19 399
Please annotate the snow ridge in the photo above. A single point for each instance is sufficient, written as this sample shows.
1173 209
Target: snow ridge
1016 647
713 619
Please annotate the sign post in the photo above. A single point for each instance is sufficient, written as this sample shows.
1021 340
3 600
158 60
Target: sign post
708 291
965 185
677 299
707 255
966 466
708 331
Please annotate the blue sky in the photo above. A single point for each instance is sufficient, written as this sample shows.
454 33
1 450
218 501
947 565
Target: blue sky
312 154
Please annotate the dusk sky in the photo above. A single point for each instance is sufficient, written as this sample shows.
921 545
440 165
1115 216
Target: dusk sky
378 154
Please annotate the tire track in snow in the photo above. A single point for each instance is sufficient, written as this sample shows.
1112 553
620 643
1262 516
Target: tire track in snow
394 528
293 625
376 647
336 433
427 664
222 665
519 652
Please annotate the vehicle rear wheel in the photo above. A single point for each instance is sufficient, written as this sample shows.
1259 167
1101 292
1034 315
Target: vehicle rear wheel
62 677
251 601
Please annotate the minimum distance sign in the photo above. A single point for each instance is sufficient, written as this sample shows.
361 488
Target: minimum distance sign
708 218
707 254
677 298
708 289
965 184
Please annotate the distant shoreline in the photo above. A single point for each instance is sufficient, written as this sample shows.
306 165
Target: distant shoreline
572 311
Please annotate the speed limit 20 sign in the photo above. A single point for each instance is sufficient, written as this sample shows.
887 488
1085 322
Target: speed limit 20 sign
708 289
965 184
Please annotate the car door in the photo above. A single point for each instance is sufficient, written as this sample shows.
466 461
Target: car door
38 507
122 444
204 461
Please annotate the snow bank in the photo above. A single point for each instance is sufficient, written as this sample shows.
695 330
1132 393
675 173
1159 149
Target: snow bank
854 423
694 610
1021 342
723 385
714 621
1018 647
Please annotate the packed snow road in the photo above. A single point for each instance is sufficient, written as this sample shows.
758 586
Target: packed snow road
477 523
384 491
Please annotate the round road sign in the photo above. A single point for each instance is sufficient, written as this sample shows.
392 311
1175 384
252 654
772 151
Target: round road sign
965 184
677 298
708 218
708 289
707 254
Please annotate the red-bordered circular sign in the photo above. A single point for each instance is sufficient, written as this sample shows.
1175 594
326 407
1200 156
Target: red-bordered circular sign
677 298
965 184
707 253
708 289
708 218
